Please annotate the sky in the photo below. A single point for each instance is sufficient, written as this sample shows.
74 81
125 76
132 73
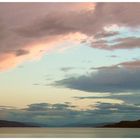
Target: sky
63 63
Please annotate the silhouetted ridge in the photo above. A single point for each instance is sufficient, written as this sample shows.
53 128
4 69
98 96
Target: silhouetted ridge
125 124
4 123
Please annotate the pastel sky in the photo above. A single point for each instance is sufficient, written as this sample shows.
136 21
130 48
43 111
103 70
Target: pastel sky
64 63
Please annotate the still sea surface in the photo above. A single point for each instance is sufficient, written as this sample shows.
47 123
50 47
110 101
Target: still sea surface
69 132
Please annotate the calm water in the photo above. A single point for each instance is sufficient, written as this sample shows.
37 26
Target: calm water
70 132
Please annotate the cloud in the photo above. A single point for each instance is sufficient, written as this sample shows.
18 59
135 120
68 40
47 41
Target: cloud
7 107
122 13
21 52
63 114
23 39
116 78
39 106
42 113
127 65
36 84
131 64
120 107
62 106
29 28
66 69
104 34
130 97
120 43
129 42
46 106
113 56
107 95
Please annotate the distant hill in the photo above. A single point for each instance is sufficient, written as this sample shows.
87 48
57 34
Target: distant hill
121 124
4 123
125 124
84 125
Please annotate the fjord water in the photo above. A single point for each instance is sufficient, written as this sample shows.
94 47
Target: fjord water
70 132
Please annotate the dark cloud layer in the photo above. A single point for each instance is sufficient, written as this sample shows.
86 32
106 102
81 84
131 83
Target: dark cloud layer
51 115
117 78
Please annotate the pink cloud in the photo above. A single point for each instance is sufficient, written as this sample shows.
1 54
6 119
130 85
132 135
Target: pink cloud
29 30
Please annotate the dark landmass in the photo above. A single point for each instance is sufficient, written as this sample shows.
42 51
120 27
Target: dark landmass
125 124
4 123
